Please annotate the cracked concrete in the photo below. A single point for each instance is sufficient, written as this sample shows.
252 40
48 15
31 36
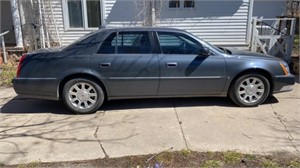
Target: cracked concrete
290 137
180 124
99 141
42 130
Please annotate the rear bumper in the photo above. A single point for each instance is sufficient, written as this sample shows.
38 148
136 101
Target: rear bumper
283 83
36 87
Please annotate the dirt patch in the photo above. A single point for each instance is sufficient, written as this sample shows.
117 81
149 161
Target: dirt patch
184 158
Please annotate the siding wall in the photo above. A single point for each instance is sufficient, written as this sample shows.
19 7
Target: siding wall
66 36
218 22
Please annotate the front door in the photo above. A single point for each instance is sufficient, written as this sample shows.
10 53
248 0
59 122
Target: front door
184 71
127 65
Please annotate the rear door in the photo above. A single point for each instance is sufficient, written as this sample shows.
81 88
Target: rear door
184 71
126 63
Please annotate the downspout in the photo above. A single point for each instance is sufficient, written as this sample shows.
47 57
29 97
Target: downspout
153 21
41 24
17 23
249 23
103 14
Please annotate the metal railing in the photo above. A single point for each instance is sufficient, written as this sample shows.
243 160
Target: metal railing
3 46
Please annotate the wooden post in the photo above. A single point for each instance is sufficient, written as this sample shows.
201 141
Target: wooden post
253 37
292 34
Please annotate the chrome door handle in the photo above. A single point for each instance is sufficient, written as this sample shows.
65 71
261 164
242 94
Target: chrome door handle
104 65
171 64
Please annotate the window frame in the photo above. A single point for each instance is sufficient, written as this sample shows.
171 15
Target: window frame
181 6
66 19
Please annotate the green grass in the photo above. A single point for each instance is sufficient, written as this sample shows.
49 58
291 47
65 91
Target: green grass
294 164
269 164
232 157
186 152
212 164
249 157
30 165
7 73
165 158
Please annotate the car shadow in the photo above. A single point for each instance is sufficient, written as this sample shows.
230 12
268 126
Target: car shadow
297 79
29 105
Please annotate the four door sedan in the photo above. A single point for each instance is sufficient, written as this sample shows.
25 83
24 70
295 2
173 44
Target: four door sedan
126 63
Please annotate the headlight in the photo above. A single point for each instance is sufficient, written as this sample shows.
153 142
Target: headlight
285 68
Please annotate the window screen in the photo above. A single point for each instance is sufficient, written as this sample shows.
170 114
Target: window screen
93 13
75 13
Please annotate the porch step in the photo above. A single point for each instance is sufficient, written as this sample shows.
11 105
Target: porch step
13 50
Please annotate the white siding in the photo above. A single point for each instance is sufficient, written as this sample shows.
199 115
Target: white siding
218 22
123 13
56 17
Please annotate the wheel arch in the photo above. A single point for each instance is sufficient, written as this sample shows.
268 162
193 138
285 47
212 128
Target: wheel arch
81 75
260 71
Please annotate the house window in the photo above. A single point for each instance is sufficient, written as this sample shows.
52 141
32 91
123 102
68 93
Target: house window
173 4
82 14
93 13
189 4
75 13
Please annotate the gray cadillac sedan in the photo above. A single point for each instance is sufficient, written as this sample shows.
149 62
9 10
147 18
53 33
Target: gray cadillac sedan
125 63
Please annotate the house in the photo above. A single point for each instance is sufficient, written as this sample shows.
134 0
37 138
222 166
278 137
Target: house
60 22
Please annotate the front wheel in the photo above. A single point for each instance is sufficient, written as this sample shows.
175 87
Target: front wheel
82 96
250 90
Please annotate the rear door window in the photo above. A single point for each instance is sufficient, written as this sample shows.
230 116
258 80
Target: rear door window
126 43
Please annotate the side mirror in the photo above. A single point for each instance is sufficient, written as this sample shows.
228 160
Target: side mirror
204 52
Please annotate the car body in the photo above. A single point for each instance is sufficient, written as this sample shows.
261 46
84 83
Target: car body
123 63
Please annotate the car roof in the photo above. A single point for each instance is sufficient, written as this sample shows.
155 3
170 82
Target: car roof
142 29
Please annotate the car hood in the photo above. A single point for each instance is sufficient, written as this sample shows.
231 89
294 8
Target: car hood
248 54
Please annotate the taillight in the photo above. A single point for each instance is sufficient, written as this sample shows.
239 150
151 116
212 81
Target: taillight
20 65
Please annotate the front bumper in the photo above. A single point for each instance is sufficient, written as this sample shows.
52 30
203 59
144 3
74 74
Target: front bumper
283 83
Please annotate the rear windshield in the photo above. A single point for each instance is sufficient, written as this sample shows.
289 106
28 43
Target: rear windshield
81 39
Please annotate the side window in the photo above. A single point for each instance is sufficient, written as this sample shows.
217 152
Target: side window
133 43
109 45
126 43
176 43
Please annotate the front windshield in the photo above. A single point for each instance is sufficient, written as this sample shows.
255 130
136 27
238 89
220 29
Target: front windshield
209 45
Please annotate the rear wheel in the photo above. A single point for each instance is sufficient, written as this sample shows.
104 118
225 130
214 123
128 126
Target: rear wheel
250 90
82 96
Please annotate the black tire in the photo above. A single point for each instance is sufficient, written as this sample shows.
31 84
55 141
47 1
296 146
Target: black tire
255 94
82 96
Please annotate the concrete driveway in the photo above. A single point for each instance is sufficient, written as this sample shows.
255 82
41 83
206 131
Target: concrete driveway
42 130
